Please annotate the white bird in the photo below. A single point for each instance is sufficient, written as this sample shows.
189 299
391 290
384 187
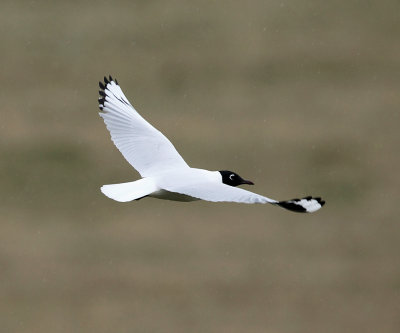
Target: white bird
165 174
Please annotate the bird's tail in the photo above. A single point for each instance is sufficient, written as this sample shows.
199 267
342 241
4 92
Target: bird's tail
130 191
304 205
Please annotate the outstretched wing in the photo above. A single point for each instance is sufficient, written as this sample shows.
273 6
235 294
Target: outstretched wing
216 192
142 145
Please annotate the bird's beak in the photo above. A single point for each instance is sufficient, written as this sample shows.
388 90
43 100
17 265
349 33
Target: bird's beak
247 182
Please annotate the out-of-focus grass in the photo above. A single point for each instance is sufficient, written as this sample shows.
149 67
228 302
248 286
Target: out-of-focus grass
300 97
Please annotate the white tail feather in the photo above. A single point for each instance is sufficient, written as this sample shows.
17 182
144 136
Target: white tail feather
129 191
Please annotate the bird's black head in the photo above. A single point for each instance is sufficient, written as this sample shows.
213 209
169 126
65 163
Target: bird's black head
233 179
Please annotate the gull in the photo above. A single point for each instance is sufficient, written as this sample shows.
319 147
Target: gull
165 174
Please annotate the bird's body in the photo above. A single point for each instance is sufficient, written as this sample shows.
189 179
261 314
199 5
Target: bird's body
157 186
165 173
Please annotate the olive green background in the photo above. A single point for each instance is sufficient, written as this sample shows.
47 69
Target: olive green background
302 97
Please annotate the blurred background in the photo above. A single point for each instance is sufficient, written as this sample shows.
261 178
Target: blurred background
302 97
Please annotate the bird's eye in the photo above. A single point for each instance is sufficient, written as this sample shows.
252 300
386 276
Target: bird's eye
231 176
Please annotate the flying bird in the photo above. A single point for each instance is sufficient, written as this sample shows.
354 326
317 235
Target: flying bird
165 174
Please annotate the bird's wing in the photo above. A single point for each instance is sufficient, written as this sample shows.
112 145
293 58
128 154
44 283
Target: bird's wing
216 192
142 145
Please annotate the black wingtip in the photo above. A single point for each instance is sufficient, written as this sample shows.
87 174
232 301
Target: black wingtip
296 205
107 80
103 87
291 205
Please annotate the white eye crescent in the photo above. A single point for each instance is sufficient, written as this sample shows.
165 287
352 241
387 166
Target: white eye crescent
231 176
